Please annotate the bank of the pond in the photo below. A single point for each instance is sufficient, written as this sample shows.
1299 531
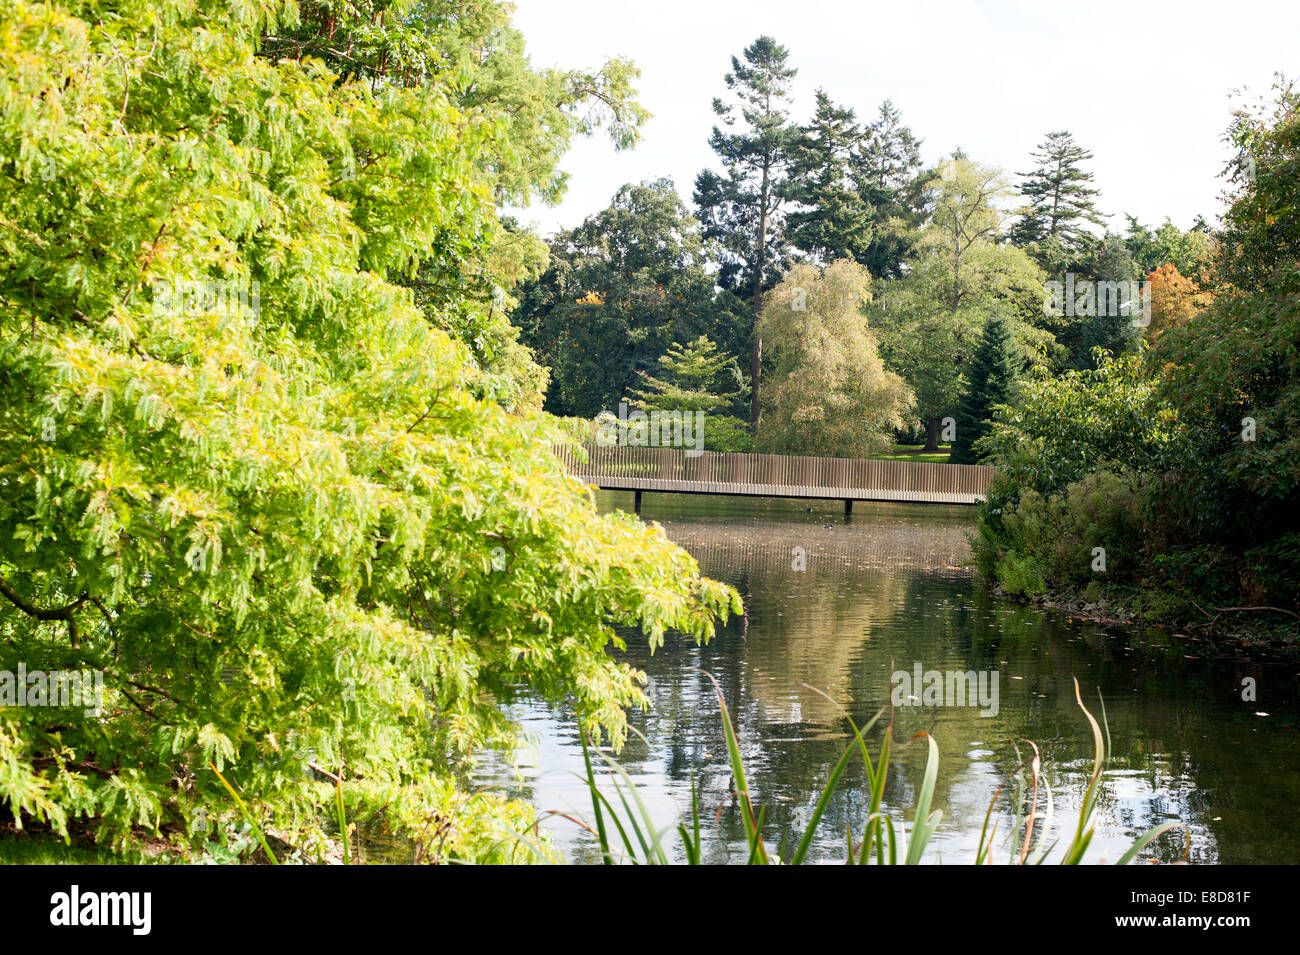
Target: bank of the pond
1246 630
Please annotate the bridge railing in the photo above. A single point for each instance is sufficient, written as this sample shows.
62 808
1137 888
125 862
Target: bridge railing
777 475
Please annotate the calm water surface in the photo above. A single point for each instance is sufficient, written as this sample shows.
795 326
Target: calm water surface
889 587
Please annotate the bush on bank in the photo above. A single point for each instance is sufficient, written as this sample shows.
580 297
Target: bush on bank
1182 460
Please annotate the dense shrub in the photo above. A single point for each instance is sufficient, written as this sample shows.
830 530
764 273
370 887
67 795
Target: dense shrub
1040 543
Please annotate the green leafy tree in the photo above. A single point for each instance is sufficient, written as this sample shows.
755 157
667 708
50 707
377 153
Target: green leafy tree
930 320
279 518
991 378
619 289
1233 373
1076 455
1059 429
741 208
828 393
1189 252
1190 447
525 118
471 52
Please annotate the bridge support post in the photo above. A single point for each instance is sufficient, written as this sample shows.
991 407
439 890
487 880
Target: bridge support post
848 507
637 503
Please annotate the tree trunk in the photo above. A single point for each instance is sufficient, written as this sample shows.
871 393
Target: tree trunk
756 359
931 435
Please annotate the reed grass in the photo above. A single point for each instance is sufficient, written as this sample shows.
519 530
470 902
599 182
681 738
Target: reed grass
626 832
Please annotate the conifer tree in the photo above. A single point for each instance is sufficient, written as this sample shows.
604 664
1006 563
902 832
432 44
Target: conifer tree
834 221
991 378
692 377
887 171
1060 199
741 207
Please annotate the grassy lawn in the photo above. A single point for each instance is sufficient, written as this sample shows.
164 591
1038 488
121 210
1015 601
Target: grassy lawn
906 453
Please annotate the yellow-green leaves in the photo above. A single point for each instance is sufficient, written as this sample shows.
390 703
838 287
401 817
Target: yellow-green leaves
267 487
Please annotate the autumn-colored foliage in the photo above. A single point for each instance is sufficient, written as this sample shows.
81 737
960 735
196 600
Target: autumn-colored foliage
1174 299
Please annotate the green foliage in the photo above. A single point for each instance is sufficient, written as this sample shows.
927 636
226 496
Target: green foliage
728 433
740 208
1060 429
697 377
1047 542
1059 198
827 391
620 289
475 57
289 534
1077 456
958 277
992 376
1108 260
1019 574
1225 518
1233 370
523 117
1191 252
887 171
858 191
834 221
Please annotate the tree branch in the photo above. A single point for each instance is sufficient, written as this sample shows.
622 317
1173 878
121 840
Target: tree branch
64 613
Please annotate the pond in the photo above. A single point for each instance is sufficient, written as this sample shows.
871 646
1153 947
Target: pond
833 607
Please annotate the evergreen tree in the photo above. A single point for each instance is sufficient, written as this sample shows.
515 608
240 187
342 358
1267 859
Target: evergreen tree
1108 328
698 377
991 377
741 207
887 172
1060 199
834 221
695 377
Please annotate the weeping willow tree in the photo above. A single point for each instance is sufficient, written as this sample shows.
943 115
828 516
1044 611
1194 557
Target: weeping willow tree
243 475
827 392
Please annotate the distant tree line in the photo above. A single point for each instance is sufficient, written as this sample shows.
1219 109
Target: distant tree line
942 252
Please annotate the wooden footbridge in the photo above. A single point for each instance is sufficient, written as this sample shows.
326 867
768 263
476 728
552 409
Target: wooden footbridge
678 471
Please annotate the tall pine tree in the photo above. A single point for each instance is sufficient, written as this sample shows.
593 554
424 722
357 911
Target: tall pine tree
833 221
990 378
1060 199
887 171
741 207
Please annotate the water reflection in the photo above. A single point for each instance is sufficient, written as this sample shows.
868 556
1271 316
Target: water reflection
887 589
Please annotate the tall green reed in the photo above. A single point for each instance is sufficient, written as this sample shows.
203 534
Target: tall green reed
626 832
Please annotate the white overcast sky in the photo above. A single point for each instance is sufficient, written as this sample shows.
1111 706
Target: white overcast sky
1145 85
